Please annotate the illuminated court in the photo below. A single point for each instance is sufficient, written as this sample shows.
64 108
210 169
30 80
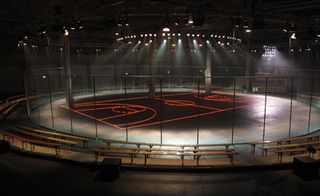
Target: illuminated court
181 117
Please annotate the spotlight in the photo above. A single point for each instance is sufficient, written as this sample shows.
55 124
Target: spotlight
179 34
293 36
42 31
166 29
238 22
66 32
200 45
208 42
198 35
168 34
245 24
139 42
125 21
173 34
116 34
248 30
146 35
192 35
211 35
194 41
190 20
154 35
188 35
163 34
179 40
119 23
177 21
146 44
164 41
150 35
173 45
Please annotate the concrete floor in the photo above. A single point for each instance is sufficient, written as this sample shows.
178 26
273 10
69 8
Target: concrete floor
213 128
20 174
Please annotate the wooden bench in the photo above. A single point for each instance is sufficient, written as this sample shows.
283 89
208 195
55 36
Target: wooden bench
35 135
25 141
151 145
253 145
295 145
163 149
288 140
292 150
58 134
230 154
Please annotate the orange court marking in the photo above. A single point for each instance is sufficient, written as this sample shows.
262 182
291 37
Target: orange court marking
130 116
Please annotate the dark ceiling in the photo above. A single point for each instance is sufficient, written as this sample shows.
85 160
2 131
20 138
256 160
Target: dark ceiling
100 17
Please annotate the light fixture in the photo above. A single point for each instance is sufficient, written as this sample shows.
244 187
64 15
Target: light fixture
166 29
245 24
248 30
293 36
190 20
177 21
66 32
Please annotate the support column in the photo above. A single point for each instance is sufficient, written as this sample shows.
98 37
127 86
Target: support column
207 72
152 87
66 48
248 68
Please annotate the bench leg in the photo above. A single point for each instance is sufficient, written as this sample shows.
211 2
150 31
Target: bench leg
253 148
145 159
198 159
96 156
131 157
84 144
72 147
32 147
57 150
182 160
280 154
231 159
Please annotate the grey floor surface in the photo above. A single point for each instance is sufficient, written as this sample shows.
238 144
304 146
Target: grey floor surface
32 176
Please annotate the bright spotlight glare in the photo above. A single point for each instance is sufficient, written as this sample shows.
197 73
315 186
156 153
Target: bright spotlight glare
165 29
248 31
164 41
179 40
293 36
66 32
